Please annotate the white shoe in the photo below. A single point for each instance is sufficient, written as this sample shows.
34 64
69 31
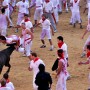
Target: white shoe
51 48
24 55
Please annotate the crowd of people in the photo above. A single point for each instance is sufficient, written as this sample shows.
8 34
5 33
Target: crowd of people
47 15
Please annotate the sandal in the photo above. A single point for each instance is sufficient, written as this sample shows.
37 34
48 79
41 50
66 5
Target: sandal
43 46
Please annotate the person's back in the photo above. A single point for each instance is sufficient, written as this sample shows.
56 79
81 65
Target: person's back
43 79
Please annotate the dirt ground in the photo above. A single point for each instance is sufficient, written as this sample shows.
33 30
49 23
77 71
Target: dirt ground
22 78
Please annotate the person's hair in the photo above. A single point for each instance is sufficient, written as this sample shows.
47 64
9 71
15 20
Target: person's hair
3 82
45 15
41 68
5 76
34 54
60 52
60 38
3 10
26 15
88 47
2 37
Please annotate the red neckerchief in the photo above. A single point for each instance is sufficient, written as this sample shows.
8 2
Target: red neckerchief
88 54
36 59
7 81
26 20
60 44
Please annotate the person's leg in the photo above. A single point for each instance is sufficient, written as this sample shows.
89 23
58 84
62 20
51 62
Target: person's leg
43 34
52 21
56 14
79 19
36 16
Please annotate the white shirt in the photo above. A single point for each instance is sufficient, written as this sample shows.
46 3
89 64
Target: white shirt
35 65
11 38
55 3
64 48
28 24
6 3
45 24
48 7
10 85
75 7
5 88
39 4
23 6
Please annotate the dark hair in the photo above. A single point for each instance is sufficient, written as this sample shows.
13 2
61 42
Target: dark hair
34 54
88 47
45 15
60 51
5 76
2 37
41 68
3 10
60 38
3 82
26 15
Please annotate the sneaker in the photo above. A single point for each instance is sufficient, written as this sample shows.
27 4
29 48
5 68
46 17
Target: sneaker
51 48
55 31
16 30
83 55
43 46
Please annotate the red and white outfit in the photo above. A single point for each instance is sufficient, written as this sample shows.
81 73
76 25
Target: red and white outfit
28 23
61 83
5 88
23 6
76 12
39 9
63 46
45 29
10 85
26 42
34 64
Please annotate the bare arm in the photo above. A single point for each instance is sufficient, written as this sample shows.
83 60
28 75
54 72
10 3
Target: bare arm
59 68
30 33
7 20
52 30
84 34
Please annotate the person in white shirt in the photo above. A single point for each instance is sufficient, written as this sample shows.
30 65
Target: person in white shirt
39 10
76 13
27 37
34 64
46 26
4 22
56 4
63 46
87 42
22 6
61 72
5 4
3 85
48 8
8 83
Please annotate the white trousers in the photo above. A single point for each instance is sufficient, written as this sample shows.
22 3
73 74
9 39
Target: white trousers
76 17
38 14
61 83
